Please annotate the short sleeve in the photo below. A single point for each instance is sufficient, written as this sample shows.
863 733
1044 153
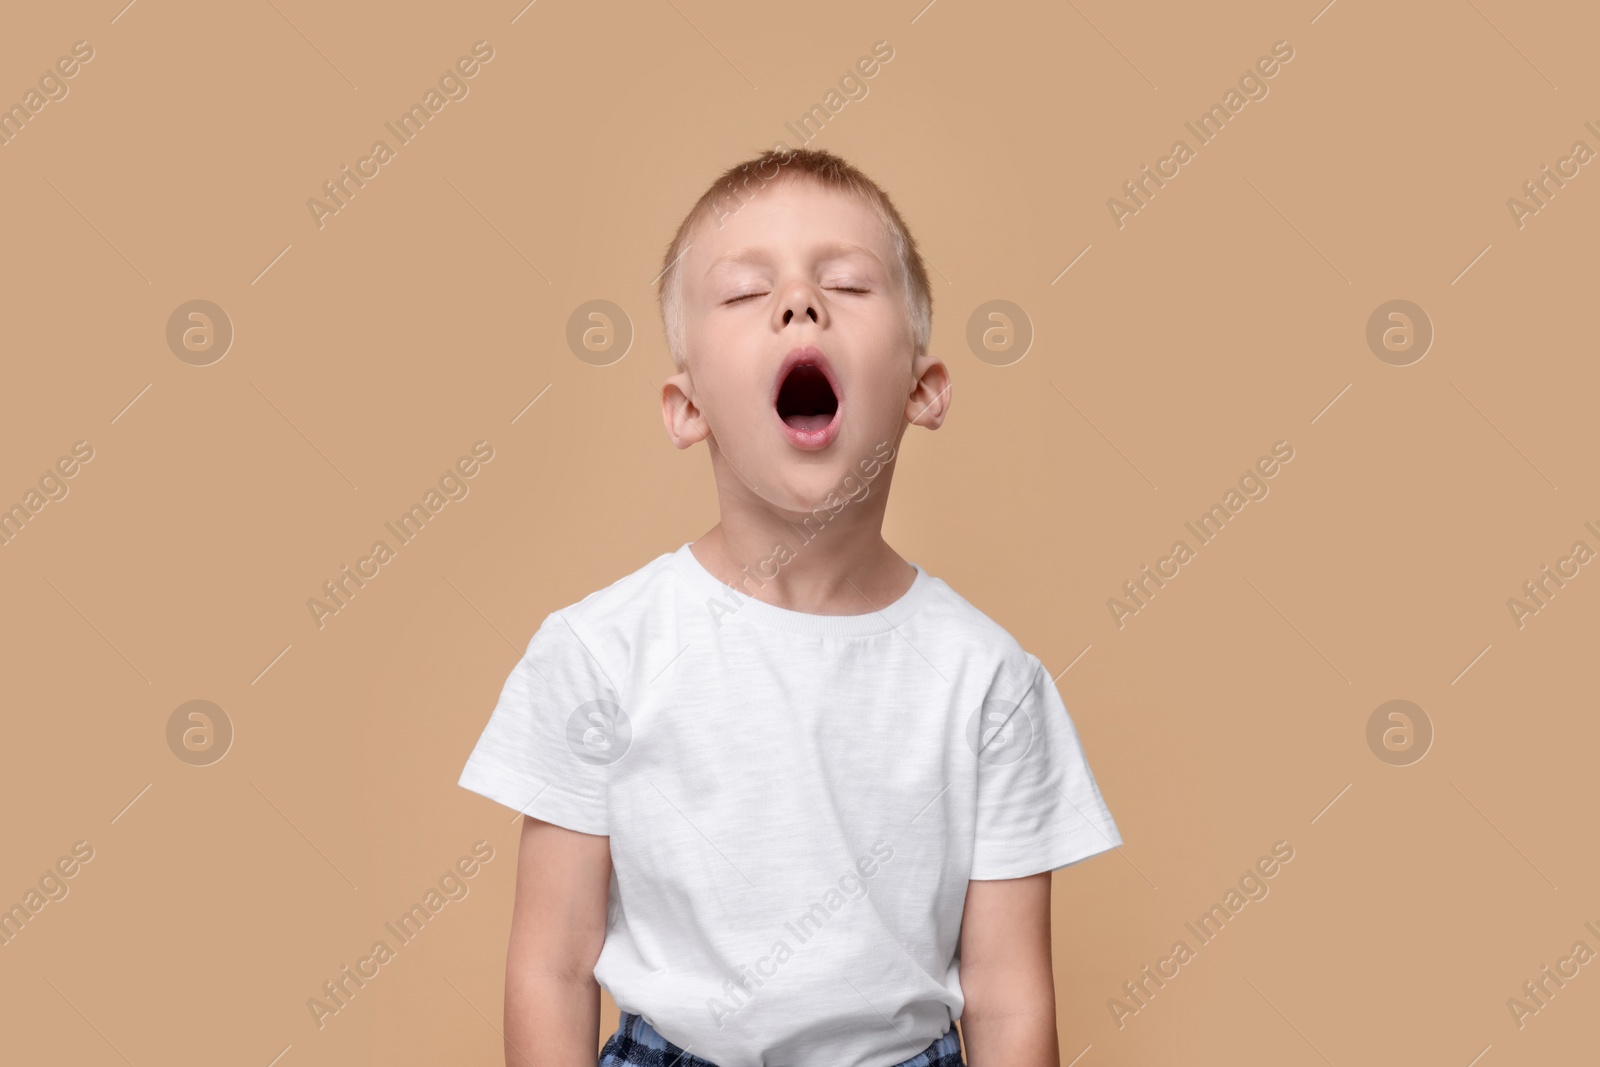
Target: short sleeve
553 734
1039 807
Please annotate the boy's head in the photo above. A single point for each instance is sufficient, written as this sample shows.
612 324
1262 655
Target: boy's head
742 181
798 313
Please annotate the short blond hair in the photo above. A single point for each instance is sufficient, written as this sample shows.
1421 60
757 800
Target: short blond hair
751 177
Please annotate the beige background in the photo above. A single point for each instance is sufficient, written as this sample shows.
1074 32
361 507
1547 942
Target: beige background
369 354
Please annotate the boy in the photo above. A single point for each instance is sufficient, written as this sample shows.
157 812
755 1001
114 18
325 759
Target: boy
790 799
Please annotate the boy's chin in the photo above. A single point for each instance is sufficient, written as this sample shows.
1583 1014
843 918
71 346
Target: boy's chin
803 492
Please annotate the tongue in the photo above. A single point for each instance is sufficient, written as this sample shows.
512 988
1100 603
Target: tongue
808 422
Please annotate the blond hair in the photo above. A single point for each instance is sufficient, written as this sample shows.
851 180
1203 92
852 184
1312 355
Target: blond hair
831 172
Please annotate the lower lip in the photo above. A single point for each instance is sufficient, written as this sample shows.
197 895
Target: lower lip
811 440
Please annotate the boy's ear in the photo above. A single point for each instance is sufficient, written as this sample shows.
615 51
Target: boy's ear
929 401
685 423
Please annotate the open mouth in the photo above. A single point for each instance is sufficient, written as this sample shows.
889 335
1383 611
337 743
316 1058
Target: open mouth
806 400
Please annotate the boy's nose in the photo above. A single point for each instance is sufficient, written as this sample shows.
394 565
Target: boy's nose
788 313
799 302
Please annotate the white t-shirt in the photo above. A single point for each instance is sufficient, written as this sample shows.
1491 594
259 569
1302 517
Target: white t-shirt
795 802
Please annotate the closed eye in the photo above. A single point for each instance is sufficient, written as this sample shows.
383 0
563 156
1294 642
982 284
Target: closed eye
832 288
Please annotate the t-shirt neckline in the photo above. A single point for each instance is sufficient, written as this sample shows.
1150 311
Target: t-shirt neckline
730 602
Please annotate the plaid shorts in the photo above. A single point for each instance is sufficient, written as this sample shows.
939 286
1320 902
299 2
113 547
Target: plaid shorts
636 1042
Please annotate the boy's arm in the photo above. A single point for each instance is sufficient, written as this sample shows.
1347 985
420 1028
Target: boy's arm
1009 1017
558 925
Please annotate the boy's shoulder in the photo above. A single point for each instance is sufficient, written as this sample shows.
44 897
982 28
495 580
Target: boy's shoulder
618 609
959 616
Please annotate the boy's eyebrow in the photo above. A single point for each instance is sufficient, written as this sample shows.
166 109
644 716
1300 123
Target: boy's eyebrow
831 250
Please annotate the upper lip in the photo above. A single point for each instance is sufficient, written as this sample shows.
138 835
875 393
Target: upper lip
806 354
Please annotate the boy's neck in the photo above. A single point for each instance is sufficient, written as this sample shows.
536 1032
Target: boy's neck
844 569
